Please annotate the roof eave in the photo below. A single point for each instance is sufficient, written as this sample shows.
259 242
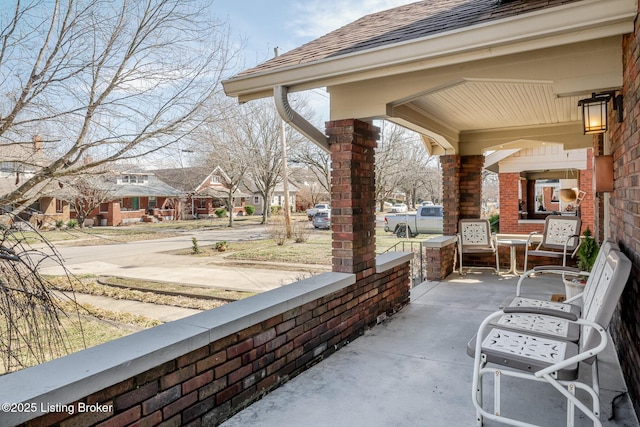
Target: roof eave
571 23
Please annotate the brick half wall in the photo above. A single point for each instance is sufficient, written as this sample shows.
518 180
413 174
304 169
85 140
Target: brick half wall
202 369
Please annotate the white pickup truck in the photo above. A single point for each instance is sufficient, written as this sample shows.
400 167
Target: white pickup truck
427 219
320 207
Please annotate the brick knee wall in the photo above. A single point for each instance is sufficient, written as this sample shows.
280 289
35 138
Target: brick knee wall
208 385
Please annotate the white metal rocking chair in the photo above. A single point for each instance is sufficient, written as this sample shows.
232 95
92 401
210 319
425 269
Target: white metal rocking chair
555 361
555 327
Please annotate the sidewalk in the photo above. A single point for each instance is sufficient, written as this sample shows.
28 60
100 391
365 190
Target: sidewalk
163 313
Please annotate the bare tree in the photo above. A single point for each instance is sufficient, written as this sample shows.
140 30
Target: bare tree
105 80
414 173
317 162
389 161
86 192
31 317
222 143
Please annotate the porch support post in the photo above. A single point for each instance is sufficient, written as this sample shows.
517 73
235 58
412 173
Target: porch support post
471 186
353 219
450 193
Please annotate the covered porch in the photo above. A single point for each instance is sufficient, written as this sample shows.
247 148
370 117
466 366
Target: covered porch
413 370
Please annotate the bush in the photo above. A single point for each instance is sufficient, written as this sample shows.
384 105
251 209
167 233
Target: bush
221 213
72 223
494 220
278 232
588 251
249 209
300 232
59 223
221 246
195 249
276 210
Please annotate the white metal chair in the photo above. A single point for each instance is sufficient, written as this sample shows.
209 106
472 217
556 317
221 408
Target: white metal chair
555 327
560 239
474 237
554 361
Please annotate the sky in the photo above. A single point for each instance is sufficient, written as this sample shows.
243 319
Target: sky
287 24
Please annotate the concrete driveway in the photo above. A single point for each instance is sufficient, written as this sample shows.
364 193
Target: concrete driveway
148 259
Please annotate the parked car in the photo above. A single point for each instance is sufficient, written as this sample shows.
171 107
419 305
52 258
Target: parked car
399 207
428 219
320 207
322 220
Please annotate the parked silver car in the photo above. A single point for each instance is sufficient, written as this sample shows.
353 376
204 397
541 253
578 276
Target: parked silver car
322 220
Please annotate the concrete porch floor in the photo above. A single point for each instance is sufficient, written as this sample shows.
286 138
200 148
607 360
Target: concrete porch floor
413 370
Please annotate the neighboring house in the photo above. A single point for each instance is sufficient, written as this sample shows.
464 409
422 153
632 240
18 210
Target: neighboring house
118 196
138 196
530 181
18 163
204 190
277 199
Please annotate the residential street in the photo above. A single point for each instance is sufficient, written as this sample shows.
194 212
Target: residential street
147 260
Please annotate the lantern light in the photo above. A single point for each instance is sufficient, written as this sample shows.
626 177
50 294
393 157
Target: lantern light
595 113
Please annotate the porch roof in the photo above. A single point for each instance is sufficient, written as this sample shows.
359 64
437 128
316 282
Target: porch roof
468 75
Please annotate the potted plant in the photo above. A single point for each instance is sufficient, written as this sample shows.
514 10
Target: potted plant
221 246
587 254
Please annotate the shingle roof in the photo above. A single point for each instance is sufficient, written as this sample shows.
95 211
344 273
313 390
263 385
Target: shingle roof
402 24
185 179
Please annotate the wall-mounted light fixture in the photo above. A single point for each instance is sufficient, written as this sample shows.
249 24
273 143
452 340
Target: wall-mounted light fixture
594 111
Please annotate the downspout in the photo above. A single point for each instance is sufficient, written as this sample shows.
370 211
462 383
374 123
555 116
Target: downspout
295 120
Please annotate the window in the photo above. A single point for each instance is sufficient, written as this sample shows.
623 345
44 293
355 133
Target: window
153 202
431 211
256 200
215 179
135 179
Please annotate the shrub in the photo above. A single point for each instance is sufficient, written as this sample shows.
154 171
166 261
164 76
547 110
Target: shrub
276 210
249 209
72 223
195 249
221 246
494 220
59 223
301 232
277 230
588 251
221 213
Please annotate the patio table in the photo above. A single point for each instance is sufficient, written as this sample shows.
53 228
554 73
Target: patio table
512 244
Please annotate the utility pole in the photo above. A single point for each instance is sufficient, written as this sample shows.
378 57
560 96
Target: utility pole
285 174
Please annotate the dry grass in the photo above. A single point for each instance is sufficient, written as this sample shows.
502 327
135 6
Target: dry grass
91 286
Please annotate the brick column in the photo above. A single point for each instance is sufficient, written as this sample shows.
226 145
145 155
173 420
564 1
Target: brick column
509 210
471 186
353 218
450 193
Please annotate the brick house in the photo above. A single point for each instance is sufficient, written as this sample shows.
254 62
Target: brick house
471 76
530 181
474 77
